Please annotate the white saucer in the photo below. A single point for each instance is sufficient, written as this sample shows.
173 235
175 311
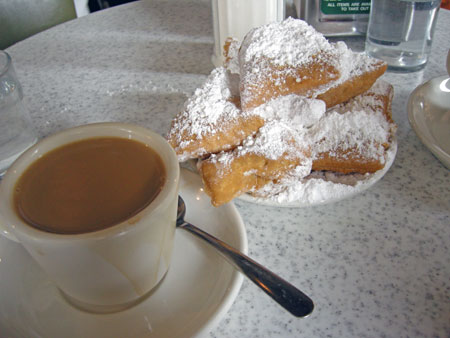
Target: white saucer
429 116
195 294
327 192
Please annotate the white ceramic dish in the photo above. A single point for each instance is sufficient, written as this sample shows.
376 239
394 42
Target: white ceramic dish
197 291
327 192
429 116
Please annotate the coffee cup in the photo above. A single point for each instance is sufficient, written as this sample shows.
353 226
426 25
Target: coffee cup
111 263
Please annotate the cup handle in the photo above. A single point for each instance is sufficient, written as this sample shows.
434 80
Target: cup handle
5 232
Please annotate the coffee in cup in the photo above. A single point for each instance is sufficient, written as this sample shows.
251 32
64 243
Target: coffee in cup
89 185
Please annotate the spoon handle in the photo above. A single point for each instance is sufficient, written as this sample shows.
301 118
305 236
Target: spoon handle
284 293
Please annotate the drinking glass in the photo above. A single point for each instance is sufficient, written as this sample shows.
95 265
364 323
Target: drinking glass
400 32
16 130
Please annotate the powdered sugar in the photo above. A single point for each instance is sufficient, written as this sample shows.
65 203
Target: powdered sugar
351 66
294 123
373 100
205 111
273 141
232 59
318 188
285 132
275 56
291 42
309 191
366 130
212 102
294 110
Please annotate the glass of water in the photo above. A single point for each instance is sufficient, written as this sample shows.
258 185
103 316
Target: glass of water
400 32
16 131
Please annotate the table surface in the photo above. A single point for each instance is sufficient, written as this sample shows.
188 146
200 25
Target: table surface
376 265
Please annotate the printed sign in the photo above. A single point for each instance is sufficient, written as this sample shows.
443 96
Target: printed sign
339 7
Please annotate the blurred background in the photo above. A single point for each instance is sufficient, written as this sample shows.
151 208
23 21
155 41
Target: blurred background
84 7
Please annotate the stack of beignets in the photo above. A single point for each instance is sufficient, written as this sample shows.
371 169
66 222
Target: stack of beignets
286 103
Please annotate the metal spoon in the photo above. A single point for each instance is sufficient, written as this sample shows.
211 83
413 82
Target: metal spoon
287 295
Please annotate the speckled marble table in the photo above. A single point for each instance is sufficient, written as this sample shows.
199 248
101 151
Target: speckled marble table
376 265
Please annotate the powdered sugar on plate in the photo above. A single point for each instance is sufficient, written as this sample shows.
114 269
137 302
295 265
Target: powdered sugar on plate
319 188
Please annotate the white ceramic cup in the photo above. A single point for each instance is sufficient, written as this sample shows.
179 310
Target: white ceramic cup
110 269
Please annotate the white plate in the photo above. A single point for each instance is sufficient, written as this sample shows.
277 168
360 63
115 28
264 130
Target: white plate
318 192
429 116
197 291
